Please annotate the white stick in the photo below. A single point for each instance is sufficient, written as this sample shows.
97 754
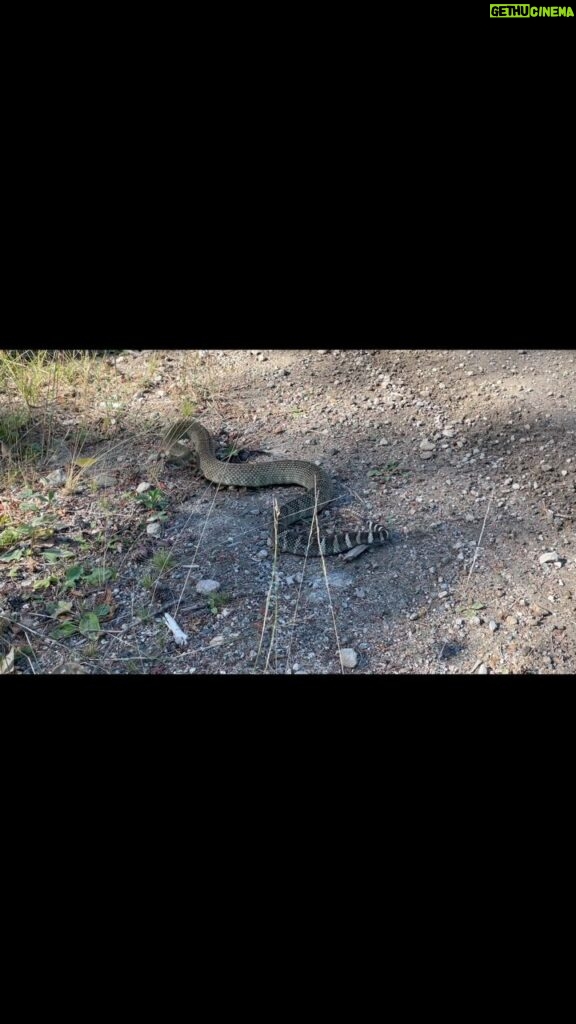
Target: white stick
179 635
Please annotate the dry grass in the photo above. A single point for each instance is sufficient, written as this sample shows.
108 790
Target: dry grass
66 419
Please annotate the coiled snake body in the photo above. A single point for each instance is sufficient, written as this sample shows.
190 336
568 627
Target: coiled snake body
285 471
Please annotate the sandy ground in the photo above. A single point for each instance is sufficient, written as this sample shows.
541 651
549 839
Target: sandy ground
468 457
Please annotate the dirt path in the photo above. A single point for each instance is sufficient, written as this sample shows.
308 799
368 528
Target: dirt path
468 457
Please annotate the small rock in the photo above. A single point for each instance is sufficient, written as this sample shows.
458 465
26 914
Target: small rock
154 529
548 556
482 670
348 657
426 455
103 480
263 553
144 486
56 478
207 586
427 446
493 625
475 620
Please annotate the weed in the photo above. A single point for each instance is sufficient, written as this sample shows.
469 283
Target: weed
87 625
188 408
163 561
216 602
11 428
391 468
153 499
159 564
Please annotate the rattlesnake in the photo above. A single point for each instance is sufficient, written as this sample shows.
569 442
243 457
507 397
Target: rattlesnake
264 474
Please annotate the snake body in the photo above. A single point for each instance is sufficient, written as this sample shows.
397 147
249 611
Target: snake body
284 471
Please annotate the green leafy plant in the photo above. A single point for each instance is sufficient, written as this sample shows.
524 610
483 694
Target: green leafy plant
43 584
472 610
77 575
391 468
217 602
13 556
98 576
87 625
12 535
153 499
57 554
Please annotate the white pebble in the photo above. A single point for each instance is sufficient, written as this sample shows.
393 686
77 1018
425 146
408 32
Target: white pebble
548 556
207 586
348 657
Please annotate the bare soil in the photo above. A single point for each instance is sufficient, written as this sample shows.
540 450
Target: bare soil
468 457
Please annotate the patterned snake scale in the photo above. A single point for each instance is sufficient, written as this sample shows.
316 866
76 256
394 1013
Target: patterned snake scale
265 474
